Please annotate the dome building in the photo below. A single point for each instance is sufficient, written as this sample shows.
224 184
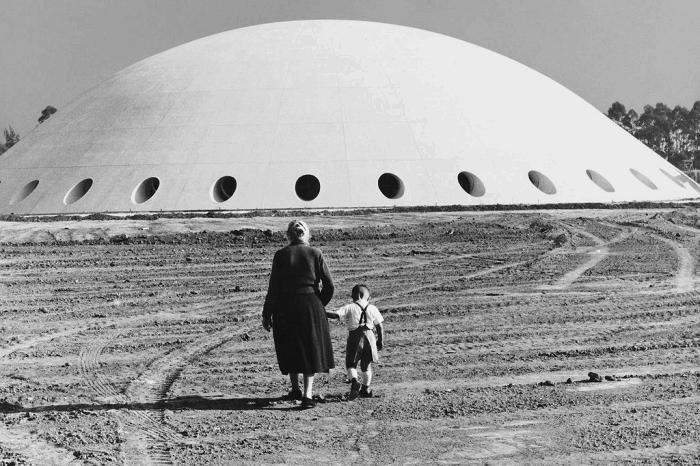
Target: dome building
328 114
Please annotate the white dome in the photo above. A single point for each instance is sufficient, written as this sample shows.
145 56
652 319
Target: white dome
232 121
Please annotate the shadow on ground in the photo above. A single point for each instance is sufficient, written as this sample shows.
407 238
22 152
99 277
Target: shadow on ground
192 402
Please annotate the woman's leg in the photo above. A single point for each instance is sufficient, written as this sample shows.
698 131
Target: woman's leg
308 385
294 380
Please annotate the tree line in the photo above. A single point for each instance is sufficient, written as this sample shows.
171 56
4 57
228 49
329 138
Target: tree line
674 134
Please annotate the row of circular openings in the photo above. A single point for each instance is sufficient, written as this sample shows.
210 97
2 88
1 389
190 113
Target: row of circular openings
473 185
308 187
544 184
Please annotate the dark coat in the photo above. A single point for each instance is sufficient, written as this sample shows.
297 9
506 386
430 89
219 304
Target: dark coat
300 286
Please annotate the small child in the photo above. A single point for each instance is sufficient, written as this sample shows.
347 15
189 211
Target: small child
361 319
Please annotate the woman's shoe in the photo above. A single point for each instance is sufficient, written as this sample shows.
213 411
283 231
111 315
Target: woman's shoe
366 392
294 394
354 389
307 403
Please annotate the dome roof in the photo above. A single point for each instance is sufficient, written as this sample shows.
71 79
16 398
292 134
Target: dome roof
327 114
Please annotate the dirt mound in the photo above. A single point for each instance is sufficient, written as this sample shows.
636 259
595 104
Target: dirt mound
689 216
552 231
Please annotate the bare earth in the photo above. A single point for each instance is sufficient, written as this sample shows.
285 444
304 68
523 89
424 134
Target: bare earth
140 342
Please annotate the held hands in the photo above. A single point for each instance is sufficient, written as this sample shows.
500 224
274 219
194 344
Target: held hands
267 323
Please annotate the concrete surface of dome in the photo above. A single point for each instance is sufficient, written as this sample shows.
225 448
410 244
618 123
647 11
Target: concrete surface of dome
328 113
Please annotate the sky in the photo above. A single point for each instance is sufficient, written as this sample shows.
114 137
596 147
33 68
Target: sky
637 52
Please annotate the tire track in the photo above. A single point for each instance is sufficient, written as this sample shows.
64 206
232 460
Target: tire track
154 384
146 436
30 447
684 279
598 253
428 262
468 276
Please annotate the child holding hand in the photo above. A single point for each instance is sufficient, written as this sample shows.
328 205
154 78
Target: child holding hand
361 319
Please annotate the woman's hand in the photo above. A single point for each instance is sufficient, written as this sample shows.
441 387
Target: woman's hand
267 323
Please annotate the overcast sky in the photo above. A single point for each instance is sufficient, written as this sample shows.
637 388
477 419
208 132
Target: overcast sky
634 51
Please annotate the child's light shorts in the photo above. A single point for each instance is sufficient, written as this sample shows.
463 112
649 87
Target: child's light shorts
361 347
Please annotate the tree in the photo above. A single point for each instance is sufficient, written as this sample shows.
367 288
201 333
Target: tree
616 112
694 129
619 114
654 126
11 137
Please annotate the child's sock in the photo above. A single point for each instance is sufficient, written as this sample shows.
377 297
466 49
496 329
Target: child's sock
367 376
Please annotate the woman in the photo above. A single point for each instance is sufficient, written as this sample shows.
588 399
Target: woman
294 309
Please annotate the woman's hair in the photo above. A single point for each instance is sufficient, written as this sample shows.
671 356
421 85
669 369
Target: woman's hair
298 232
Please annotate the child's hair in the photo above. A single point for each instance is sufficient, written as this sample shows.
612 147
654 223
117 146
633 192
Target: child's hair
359 291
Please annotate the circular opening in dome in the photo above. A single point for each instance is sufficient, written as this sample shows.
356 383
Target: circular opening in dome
541 182
390 185
672 178
224 188
145 190
23 193
307 187
600 181
78 191
471 184
642 178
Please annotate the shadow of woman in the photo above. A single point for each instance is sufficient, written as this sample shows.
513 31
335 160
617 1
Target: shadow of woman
189 402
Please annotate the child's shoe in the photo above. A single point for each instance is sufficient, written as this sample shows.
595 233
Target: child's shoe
354 389
365 392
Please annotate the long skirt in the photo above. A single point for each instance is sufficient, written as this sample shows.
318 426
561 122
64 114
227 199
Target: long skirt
302 338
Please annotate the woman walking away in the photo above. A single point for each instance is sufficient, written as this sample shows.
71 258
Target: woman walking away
294 310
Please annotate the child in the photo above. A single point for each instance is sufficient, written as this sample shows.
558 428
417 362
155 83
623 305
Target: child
361 319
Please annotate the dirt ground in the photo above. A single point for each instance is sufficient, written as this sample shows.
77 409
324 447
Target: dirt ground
139 342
